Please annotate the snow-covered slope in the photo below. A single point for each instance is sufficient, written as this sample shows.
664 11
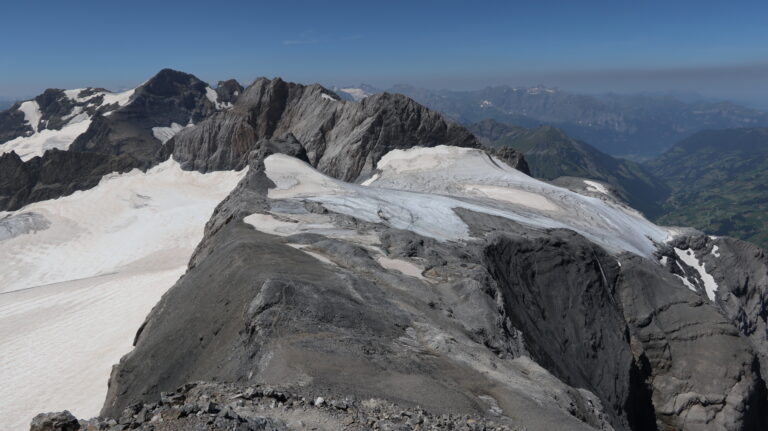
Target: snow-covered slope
357 94
80 273
86 102
418 189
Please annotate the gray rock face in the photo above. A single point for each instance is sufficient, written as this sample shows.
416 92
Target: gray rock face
60 421
58 173
702 373
56 111
309 122
557 291
342 139
740 272
625 344
347 328
169 97
13 124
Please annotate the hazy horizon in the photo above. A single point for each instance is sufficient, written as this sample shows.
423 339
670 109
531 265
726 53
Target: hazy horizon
709 48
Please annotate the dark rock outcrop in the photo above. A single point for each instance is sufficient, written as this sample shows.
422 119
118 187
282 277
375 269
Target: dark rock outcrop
13 124
60 421
342 139
740 272
558 291
687 342
169 97
56 174
513 158
229 90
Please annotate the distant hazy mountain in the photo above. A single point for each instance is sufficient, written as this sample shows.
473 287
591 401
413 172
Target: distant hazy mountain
5 103
634 126
551 154
720 183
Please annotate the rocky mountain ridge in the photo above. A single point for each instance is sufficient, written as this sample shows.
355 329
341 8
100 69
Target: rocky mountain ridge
377 253
635 126
138 131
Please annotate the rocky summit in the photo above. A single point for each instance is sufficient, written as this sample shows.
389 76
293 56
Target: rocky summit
275 258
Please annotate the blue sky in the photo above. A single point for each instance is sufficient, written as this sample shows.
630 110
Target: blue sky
716 48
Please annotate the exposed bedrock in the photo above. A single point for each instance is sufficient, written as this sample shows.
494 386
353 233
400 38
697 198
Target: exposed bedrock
169 97
558 291
57 173
341 139
631 334
739 272
343 326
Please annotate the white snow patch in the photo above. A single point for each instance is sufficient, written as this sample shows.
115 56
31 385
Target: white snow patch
715 251
418 189
402 266
357 94
594 186
74 94
369 181
284 226
328 97
164 134
32 114
687 283
688 256
28 147
213 97
448 171
663 260
78 122
486 103
121 99
74 294
515 196
318 256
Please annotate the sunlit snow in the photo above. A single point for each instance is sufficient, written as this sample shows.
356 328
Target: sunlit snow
78 121
594 186
77 286
418 189
32 113
357 94
38 143
164 134
213 97
710 285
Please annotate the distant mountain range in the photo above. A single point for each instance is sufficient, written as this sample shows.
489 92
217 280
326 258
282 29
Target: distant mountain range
551 154
629 126
719 180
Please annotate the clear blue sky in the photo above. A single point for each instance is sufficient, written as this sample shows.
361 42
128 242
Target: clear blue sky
717 48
